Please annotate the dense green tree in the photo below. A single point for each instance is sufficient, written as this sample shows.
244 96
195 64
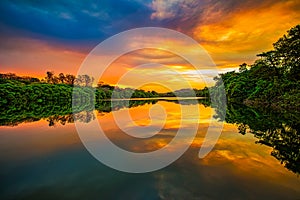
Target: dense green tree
273 79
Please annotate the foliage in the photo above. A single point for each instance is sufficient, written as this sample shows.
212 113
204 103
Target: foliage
11 77
28 99
186 93
272 86
54 103
272 81
61 78
38 100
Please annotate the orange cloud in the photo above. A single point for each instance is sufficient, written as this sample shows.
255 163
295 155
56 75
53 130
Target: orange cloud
238 36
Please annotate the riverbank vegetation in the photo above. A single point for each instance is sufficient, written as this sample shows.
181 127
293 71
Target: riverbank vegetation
57 94
273 81
29 99
263 99
61 98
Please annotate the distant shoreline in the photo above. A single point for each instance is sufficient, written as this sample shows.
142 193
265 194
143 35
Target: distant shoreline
156 98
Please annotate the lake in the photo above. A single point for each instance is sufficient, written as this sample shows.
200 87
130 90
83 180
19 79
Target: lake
45 158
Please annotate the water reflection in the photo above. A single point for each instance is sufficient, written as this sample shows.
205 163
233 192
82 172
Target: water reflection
279 130
42 162
63 114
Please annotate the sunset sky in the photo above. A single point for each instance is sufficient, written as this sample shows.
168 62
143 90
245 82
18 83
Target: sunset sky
38 36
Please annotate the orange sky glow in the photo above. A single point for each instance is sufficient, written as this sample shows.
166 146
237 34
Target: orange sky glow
230 38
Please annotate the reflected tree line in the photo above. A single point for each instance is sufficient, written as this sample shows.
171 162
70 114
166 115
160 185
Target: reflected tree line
104 107
279 130
83 116
81 110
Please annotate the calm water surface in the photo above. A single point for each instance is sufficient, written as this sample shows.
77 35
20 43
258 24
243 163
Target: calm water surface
39 161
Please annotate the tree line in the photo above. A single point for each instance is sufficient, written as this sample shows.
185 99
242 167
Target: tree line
270 87
271 81
28 98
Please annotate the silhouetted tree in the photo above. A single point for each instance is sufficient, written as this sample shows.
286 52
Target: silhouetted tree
61 77
69 79
49 77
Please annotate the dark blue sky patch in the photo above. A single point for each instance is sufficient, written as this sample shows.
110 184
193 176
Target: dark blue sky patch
74 20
